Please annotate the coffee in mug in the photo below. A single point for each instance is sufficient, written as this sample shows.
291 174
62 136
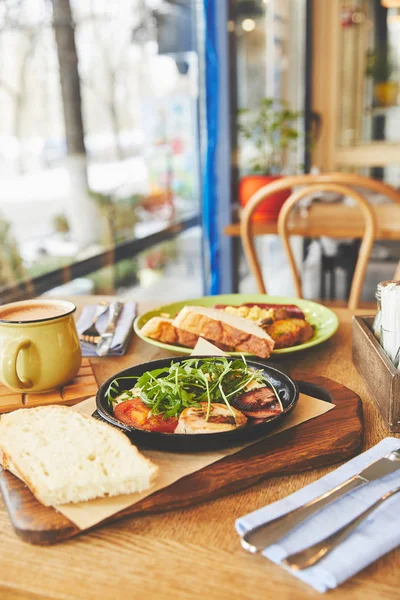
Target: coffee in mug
33 312
39 345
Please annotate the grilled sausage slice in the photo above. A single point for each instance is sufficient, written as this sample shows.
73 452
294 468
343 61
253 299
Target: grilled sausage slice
260 403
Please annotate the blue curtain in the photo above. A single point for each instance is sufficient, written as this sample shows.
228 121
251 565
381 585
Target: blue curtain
210 217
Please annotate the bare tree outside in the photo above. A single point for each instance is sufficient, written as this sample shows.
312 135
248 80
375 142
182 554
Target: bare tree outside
82 214
18 91
97 126
113 62
69 76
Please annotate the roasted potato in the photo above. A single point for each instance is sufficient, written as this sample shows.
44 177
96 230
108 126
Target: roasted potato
289 332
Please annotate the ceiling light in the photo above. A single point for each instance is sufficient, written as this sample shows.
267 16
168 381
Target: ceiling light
248 24
390 3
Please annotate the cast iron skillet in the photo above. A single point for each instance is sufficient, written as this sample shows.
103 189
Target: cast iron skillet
285 386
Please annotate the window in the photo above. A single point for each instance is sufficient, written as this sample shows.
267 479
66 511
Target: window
99 152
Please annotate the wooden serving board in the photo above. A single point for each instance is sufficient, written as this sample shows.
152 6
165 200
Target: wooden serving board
332 437
82 386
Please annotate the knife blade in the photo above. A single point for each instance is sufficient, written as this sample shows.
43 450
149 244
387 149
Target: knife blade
264 535
106 338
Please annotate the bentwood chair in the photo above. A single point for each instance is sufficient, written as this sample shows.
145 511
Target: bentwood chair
309 184
365 183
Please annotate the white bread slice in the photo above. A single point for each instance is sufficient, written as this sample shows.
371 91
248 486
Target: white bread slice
219 326
64 456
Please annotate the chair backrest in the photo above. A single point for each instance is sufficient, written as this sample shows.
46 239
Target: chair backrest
362 181
335 182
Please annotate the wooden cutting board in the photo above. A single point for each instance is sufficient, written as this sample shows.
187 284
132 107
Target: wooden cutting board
333 437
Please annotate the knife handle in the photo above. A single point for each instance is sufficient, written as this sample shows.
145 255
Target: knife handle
115 310
264 535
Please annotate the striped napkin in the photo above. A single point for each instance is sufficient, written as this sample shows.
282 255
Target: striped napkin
377 535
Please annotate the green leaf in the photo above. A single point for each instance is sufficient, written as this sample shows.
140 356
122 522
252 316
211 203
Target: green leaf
168 391
272 124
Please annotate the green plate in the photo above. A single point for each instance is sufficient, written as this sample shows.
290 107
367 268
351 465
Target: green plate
325 321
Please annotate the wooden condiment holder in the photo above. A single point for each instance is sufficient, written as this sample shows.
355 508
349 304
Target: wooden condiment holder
82 386
378 371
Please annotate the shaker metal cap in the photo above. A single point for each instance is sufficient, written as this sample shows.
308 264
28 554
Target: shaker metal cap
382 284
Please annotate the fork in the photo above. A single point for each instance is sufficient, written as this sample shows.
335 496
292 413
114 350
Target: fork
313 554
92 332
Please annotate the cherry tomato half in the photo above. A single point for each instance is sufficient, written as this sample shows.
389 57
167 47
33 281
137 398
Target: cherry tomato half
136 414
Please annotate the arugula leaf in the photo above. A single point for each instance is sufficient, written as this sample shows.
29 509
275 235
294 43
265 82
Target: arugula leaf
169 390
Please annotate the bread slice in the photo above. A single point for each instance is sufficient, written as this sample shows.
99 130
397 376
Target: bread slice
64 456
162 330
221 327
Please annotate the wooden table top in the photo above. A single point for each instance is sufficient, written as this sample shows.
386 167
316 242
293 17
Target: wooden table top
194 553
333 220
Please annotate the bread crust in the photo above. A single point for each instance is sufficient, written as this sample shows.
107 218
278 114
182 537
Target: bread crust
163 330
219 330
10 466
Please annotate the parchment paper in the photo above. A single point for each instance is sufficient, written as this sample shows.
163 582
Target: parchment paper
173 465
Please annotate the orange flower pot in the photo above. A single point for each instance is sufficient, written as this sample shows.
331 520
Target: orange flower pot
386 93
269 209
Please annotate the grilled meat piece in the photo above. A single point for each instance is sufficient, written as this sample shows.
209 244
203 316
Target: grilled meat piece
193 419
260 403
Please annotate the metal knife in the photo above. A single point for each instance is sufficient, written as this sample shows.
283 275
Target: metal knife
258 538
106 338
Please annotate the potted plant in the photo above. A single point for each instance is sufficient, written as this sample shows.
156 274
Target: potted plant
381 68
271 132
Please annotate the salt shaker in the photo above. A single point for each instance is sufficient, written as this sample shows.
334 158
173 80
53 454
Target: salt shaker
377 324
390 324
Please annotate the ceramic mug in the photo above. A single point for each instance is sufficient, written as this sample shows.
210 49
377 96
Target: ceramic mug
39 345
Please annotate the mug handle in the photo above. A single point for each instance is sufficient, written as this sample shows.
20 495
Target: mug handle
9 366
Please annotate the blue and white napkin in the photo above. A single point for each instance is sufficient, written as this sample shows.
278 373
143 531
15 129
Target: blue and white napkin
123 331
377 535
